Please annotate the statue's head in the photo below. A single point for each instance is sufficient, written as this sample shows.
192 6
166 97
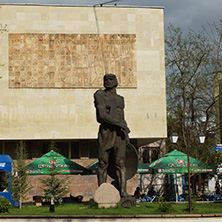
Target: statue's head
110 81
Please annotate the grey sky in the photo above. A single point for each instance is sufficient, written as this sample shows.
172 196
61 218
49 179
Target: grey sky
183 13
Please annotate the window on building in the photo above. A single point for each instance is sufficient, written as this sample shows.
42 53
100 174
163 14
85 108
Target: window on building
28 145
75 150
45 147
84 149
63 148
93 149
36 148
60 147
10 149
154 154
1 148
150 154
146 156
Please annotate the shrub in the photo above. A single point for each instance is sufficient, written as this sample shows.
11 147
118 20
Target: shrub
165 206
4 205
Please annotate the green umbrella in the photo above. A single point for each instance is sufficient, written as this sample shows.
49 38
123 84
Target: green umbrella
176 162
44 165
142 168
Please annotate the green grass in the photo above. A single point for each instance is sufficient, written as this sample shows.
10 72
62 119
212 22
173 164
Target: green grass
140 209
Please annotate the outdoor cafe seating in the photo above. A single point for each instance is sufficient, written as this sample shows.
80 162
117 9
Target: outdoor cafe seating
211 197
146 199
180 198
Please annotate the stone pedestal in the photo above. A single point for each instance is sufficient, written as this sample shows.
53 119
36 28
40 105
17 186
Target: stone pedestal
127 202
107 196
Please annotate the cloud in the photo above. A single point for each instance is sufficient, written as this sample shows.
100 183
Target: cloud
185 13
191 13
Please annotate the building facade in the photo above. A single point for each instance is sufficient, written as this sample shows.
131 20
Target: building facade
54 59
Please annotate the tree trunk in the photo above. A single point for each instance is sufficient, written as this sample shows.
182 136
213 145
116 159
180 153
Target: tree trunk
20 201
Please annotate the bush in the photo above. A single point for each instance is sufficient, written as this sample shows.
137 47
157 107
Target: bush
4 205
164 206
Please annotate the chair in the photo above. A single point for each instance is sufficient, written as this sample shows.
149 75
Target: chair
148 199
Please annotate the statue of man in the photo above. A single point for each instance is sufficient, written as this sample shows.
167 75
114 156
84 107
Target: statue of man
113 131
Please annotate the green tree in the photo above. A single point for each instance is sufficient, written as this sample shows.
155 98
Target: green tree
190 91
54 187
19 183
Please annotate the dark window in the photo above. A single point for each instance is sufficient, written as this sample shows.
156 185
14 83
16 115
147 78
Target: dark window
75 150
35 148
154 155
63 148
1 147
146 156
150 154
10 149
45 147
84 149
53 145
93 149
28 145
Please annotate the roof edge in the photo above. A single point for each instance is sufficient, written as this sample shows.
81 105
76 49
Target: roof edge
68 5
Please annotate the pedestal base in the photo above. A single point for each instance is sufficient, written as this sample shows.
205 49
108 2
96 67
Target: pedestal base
127 202
107 196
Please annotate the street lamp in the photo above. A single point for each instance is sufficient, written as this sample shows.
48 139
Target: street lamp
201 138
173 139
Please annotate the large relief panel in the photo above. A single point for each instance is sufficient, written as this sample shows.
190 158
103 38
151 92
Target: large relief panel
71 60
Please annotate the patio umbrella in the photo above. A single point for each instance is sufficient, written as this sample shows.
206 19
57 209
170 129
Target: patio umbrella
176 162
6 163
44 165
142 168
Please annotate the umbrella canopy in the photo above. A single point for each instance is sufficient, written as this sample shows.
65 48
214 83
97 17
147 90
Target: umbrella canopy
44 165
142 168
176 162
6 163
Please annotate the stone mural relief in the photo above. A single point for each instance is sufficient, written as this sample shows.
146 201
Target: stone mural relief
71 60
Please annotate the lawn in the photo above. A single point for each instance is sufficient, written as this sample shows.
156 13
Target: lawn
139 209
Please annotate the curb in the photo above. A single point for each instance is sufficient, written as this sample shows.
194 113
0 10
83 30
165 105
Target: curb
108 216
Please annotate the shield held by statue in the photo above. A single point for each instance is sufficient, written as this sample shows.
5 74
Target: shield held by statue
131 163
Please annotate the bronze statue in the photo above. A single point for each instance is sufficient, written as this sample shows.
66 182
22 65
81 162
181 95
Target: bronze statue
113 132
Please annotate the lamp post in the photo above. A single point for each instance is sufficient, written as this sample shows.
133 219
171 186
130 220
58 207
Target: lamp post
174 138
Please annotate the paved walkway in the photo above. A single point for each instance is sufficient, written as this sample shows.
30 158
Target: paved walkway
133 218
